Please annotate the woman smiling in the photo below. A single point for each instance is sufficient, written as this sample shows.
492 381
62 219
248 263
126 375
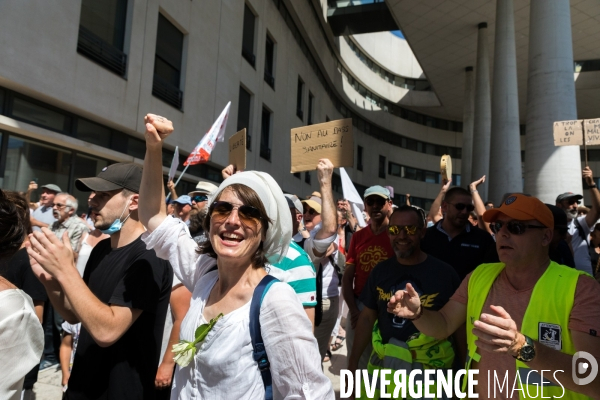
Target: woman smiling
248 225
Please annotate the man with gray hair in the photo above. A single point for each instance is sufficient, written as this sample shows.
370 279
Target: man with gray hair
65 212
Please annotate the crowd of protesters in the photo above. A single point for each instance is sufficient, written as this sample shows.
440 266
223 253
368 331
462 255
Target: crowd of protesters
241 291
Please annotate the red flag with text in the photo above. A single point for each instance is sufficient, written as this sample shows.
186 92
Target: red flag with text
201 153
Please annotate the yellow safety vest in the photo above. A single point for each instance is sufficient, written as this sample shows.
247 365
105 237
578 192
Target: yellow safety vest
419 352
548 312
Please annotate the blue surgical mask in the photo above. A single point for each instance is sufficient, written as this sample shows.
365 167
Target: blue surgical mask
117 224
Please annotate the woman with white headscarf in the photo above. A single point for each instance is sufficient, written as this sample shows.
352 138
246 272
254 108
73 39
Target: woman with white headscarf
248 225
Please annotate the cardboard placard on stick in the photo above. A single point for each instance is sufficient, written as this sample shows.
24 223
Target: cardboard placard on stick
237 150
332 140
592 131
568 133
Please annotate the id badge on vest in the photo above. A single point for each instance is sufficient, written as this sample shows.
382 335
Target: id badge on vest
550 335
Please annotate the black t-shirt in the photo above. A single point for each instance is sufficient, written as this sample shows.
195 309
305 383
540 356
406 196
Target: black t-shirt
20 274
434 280
133 277
465 252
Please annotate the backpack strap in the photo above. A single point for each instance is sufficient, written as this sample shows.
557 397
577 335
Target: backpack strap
580 231
259 353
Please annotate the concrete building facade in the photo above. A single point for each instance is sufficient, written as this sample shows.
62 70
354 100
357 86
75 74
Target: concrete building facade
77 77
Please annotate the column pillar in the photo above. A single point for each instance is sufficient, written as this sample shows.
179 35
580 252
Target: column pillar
505 150
483 114
550 170
466 161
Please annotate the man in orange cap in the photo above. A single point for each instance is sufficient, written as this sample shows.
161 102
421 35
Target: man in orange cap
524 314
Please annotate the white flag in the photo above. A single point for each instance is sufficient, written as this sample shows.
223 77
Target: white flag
174 164
351 194
201 153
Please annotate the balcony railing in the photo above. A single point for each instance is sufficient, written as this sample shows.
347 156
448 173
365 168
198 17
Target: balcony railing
167 92
269 79
251 58
101 52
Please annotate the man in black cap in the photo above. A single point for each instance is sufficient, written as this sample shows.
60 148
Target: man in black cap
579 227
122 299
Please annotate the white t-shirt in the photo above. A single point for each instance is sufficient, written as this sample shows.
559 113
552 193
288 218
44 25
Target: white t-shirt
583 262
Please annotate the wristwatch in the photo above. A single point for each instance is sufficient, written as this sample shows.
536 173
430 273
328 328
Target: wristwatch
592 186
527 352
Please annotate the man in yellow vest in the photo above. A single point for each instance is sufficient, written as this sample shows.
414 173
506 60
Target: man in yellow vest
526 316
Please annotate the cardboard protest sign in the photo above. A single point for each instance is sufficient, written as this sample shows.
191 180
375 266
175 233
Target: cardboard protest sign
332 140
237 150
446 167
568 133
591 131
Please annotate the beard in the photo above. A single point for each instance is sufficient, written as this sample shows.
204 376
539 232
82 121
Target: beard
405 254
571 214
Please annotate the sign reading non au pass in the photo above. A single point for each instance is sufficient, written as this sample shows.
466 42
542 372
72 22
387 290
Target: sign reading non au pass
332 140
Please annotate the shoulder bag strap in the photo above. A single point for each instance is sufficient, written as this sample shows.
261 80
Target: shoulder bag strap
259 352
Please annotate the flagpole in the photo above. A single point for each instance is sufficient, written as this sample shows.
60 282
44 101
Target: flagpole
178 179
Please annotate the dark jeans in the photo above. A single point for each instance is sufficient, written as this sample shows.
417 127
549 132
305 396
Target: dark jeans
52 333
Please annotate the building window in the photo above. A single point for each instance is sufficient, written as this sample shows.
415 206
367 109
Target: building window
381 166
243 119
307 177
248 35
265 135
298 175
359 158
300 94
311 100
167 63
40 115
269 62
102 33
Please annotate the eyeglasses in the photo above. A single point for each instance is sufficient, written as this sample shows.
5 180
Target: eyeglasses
372 200
514 227
396 229
199 198
462 206
220 211
311 211
59 206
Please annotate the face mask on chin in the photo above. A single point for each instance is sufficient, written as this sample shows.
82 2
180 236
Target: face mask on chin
117 224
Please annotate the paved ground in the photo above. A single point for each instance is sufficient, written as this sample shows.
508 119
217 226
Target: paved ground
48 385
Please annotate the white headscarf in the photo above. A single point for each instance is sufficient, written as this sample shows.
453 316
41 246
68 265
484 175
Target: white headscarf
279 232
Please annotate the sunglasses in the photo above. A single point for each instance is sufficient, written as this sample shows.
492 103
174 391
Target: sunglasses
59 206
372 200
220 211
199 198
514 227
571 202
396 229
311 211
462 206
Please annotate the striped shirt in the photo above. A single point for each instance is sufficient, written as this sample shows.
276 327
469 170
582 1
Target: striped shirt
298 272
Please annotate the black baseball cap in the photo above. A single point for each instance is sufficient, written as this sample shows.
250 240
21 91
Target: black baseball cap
116 176
560 217
568 195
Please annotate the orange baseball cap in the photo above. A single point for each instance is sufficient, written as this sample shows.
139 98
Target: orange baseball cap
522 208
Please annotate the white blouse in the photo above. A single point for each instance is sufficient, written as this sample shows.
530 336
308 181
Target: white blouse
21 341
223 366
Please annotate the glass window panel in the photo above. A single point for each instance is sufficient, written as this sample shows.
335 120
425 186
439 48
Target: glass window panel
2 96
243 120
248 32
169 42
106 19
85 166
136 148
27 160
93 133
431 177
39 115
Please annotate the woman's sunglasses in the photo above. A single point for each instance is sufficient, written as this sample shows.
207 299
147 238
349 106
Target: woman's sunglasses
396 229
514 227
220 211
311 211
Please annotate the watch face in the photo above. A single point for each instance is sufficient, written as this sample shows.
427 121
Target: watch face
527 352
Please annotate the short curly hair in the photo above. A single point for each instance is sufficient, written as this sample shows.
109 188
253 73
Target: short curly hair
248 197
12 226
